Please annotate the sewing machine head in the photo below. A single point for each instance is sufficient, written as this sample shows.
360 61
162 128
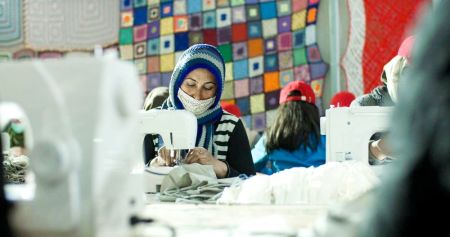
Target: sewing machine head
178 128
83 114
348 131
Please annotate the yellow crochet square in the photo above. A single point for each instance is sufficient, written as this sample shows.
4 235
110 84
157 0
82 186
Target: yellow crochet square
167 62
299 20
257 103
166 26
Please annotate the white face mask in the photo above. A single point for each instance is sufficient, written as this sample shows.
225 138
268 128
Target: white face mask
197 107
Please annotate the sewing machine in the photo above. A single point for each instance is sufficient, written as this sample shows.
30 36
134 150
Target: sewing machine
83 115
348 131
178 129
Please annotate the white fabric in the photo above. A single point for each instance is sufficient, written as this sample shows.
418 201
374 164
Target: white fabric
352 59
324 185
197 107
393 70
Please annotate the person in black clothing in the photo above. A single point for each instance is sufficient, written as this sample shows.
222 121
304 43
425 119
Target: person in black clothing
196 85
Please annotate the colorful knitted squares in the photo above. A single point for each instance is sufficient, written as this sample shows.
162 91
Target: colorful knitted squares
223 17
271 81
299 57
239 50
238 14
271 62
241 88
256 85
301 73
259 122
257 103
228 90
240 69
255 47
286 76
209 20
255 66
180 23
268 10
271 100
313 54
284 7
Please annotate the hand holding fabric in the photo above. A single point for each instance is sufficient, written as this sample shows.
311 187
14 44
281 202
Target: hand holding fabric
202 156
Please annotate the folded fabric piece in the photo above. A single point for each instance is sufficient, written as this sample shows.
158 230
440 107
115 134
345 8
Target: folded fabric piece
330 183
193 183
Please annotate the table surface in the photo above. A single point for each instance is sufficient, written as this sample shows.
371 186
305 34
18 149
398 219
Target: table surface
229 220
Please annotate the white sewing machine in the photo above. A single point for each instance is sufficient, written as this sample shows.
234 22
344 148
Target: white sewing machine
83 115
348 131
178 129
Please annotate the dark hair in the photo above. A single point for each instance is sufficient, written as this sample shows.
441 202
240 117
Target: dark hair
296 125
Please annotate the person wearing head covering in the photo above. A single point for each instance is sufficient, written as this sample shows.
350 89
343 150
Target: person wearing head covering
196 85
342 99
293 140
253 136
386 93
156 97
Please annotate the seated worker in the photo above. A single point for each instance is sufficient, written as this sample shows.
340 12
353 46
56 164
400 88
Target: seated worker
253 136
156 97
294 138
342 99
196 85
386 95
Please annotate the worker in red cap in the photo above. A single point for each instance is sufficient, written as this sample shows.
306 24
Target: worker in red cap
293 140
342 99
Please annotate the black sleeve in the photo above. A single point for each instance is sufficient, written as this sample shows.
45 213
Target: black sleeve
239 157
149 148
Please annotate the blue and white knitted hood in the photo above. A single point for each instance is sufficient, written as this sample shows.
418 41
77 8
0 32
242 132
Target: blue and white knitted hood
198 56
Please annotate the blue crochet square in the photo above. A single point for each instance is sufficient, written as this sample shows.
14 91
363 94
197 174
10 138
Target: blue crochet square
166 9
240 69
244 105
140 15
209 20
271 63
194 6
268 10
298 39
153 47
254 29
181 41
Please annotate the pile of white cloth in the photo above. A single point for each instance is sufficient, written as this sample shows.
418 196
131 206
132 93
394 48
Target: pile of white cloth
330 183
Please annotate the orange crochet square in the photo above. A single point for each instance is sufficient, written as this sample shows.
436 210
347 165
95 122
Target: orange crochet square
255 48
271 81
312 14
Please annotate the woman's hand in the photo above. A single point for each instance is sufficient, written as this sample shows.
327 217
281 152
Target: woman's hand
202 156
164 157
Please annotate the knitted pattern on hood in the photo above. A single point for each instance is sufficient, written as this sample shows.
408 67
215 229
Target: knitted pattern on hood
199 56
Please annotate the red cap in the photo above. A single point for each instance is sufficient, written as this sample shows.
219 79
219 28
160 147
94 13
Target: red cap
232 109
307 93
406 47
342 99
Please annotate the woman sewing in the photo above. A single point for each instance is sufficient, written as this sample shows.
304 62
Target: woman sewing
196 85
